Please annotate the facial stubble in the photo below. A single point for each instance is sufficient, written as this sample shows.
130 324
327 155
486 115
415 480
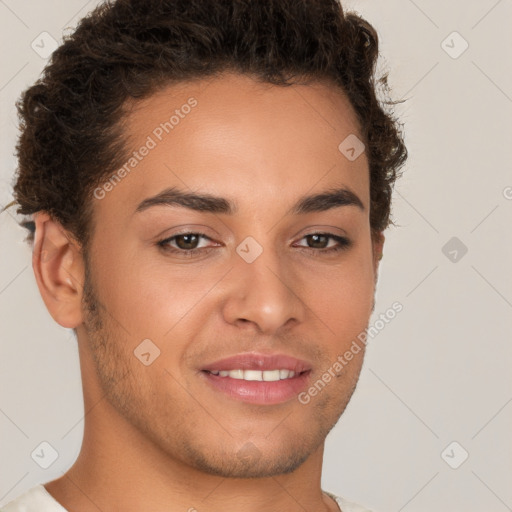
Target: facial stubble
122 383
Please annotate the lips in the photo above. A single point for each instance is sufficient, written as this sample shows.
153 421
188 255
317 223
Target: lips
262 362
263 379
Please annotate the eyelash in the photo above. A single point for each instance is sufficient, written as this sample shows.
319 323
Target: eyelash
343 244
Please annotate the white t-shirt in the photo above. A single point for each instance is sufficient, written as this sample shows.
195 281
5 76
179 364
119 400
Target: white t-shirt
38 499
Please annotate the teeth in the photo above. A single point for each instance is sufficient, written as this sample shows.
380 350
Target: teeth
253 375
260 375
270 375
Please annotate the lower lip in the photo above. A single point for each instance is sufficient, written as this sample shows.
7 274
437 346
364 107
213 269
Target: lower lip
259 392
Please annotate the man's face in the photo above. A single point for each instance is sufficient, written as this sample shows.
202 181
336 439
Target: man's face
255 284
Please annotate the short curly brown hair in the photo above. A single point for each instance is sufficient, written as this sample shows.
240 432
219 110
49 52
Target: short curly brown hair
70 137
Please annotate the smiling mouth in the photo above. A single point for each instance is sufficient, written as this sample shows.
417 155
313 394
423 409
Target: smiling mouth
259 387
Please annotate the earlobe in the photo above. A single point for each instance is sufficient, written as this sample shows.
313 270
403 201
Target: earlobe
58 269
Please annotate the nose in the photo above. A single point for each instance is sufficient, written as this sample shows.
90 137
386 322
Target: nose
263 294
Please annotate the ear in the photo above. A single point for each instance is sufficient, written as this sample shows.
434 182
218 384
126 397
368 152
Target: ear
59 270
378 247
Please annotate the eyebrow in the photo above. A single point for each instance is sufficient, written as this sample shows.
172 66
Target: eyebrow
323 201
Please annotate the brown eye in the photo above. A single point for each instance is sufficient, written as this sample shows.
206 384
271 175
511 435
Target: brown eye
188 241
318 241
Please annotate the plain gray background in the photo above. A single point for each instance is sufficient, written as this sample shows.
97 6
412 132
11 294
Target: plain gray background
439 372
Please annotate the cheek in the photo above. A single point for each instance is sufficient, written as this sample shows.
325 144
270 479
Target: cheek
154 298
341 296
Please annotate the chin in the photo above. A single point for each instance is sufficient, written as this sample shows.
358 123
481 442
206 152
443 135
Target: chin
249 462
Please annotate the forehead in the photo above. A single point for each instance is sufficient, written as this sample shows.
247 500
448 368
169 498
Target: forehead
237 137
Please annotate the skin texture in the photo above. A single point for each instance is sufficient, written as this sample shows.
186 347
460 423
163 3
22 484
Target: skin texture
158 437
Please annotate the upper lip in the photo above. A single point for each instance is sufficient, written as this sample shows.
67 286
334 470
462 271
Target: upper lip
259 361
